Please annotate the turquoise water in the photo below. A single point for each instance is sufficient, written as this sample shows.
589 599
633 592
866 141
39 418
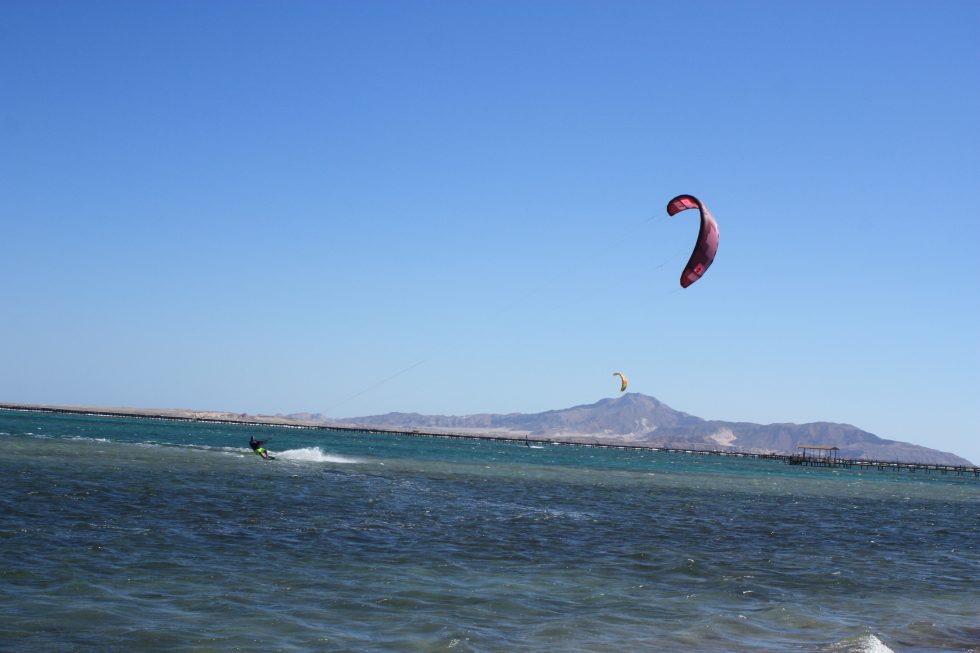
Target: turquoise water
148 535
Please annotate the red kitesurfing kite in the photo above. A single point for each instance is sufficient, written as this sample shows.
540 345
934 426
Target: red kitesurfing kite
707 244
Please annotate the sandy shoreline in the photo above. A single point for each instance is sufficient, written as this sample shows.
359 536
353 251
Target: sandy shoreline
180 414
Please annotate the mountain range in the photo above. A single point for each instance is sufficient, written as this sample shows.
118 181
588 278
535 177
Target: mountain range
638 419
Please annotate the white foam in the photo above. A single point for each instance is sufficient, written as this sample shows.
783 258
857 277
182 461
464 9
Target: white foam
862 644
87 438
312 455
872 644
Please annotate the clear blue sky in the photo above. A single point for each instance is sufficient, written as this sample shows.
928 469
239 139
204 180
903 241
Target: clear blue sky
445 207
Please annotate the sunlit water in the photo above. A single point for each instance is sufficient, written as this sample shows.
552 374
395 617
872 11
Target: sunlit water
147 535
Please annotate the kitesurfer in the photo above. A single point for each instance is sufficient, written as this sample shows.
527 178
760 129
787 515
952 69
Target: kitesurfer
258 448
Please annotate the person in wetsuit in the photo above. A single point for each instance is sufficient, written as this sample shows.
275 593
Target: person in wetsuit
258 448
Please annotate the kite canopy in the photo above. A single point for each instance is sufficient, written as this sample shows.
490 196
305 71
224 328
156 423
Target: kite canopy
707 244
623 381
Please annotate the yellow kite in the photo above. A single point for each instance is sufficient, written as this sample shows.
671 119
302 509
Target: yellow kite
623 379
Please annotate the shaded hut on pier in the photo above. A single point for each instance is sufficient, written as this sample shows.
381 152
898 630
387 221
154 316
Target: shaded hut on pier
815 454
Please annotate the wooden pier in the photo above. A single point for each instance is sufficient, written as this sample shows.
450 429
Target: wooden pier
816 455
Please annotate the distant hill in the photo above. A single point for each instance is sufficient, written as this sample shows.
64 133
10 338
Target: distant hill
642 420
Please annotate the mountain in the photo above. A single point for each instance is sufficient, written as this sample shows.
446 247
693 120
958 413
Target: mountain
638 419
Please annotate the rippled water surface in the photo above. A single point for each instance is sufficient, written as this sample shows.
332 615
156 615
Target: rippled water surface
125 534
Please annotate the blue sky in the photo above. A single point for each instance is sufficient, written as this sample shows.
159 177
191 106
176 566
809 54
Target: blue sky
458 207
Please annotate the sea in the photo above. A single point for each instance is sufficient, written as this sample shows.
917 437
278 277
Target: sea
135 534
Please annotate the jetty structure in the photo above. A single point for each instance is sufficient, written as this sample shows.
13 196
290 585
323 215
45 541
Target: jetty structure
815 455
821 456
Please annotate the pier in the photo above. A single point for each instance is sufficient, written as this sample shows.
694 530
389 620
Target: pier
816 455
810 455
